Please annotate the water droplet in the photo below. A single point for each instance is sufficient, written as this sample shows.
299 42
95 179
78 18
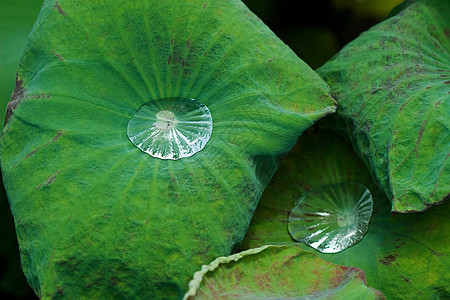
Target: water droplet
171 128
332 217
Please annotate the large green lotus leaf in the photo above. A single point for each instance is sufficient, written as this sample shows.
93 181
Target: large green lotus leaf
392 89
278 272
403 256
95 215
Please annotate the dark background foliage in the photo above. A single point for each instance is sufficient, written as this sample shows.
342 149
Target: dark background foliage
315 30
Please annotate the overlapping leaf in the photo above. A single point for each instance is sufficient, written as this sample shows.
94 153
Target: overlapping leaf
94 214
403 256
392 85
278 272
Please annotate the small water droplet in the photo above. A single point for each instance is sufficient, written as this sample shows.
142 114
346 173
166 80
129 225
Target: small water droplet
171 128
332 217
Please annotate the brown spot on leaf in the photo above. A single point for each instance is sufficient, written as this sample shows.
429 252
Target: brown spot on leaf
343 274
310 215
169 60
447 32
188 42
263 280
41 95
388 260
405 279
421 130
32 152
437 45
59 9
47 182
446 82
18 91
17 97
204 4
403 106
57 55
54 139
418 242
437 103
289 259
57 136
398 246
308 220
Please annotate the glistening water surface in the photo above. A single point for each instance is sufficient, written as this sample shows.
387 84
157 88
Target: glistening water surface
332 217
171 128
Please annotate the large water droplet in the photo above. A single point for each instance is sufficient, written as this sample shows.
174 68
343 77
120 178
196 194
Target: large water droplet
171 128
332 217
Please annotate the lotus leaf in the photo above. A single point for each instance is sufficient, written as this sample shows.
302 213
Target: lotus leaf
278 272
403 256
94 214
392 85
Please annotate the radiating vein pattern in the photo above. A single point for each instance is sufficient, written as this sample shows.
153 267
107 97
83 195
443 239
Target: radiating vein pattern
332 217
171 128
107 120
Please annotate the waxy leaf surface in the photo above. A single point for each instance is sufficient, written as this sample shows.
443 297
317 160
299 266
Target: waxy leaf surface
95 215
393 90
278 272
403 256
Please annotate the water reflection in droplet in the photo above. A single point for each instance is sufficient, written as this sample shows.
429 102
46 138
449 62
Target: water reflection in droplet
171 128
332 217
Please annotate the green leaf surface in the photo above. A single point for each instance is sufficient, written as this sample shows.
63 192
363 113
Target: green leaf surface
94 214
403 256
278 272
392 85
